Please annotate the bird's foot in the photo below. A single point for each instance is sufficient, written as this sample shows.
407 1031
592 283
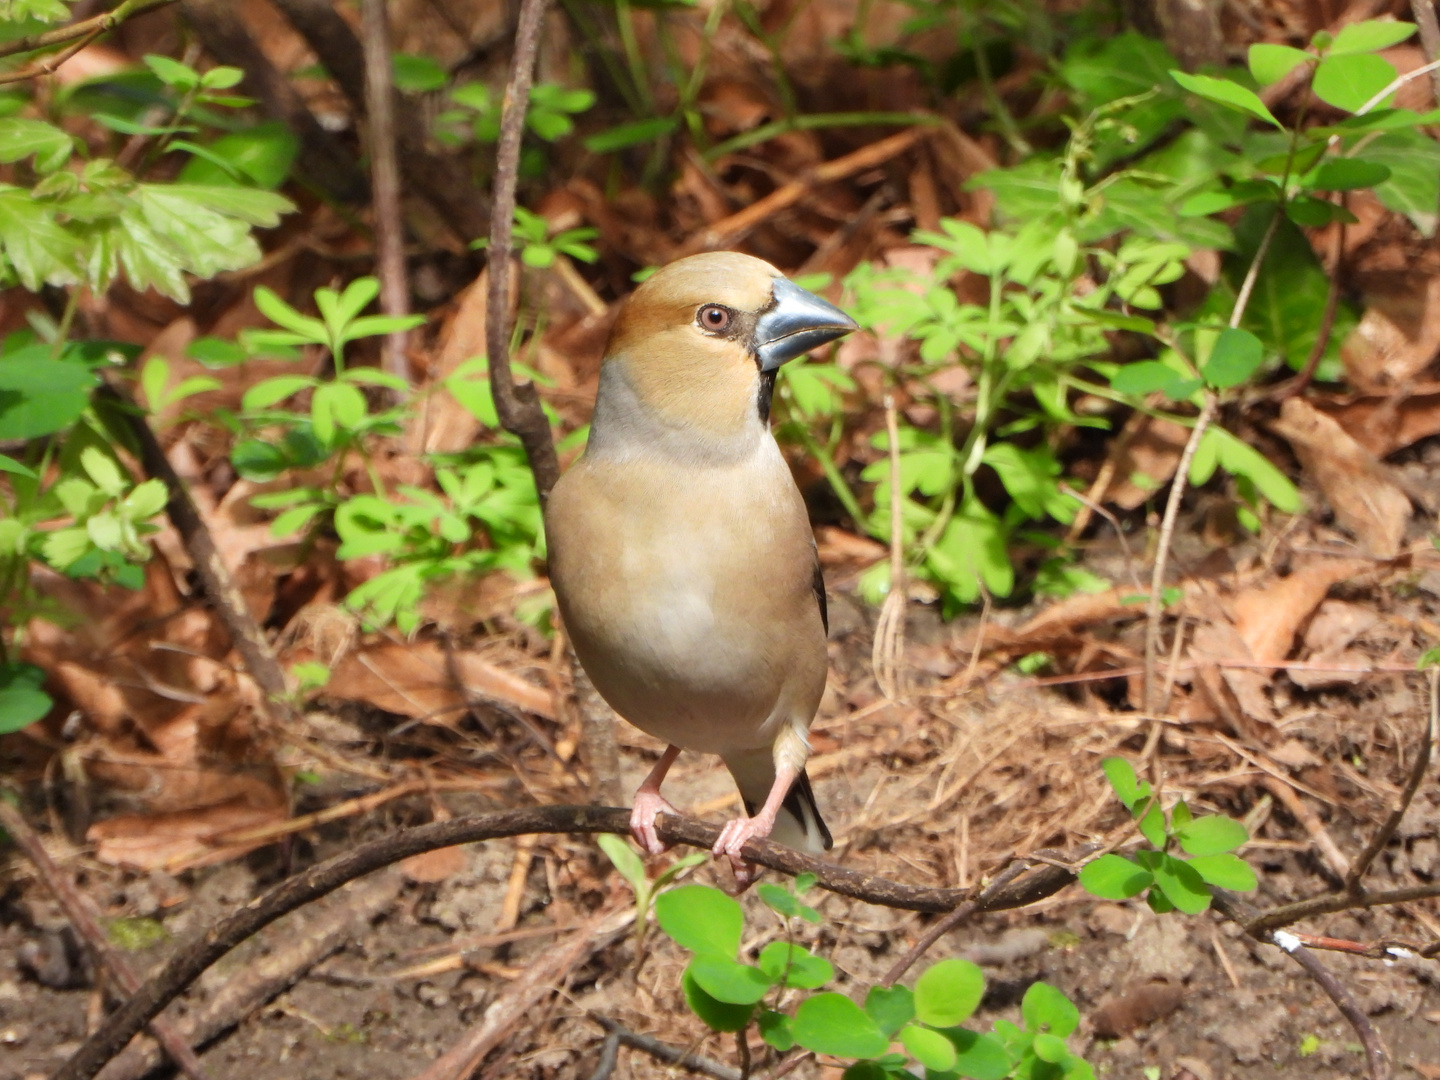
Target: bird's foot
642 821
733 838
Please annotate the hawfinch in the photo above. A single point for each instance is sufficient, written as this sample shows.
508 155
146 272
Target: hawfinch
680 550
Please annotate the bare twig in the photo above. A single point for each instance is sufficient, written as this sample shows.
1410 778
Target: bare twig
887 654
1424 12
220 589
1300 382
1375 1055
385 180
1182 472
51 64
83 29
78 912
1412 785
190 961
517 404
670 1055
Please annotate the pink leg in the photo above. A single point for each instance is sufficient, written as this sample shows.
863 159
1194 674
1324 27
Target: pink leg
738 831
648 803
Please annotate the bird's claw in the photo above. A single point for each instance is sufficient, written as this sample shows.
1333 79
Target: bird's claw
642 821
732 840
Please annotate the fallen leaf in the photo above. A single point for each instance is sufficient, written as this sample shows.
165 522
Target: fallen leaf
1231 688
1147 463
431 866
414 681
177 841
1389 422
1135 1007
1268 617
1399 334
1356 485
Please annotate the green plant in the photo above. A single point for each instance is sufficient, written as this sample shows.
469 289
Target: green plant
632 868
1173 882
896 1025
539 249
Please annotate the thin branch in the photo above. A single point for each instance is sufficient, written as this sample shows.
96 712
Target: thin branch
51 64
385 181
670 1055
1412 785
1154 609
1339 901
1424 12
1301 381
84 29
220 589
78 913
190 961
518 405
1364 1030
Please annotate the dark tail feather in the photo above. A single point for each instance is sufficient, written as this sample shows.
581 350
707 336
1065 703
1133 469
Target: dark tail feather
804 812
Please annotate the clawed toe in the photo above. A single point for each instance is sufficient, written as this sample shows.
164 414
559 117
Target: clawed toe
642 822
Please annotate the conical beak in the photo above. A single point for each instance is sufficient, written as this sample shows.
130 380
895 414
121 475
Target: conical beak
797 322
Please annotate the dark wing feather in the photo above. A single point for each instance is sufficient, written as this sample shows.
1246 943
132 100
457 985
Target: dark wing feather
818 585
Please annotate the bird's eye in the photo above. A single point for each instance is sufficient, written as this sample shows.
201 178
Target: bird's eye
713 317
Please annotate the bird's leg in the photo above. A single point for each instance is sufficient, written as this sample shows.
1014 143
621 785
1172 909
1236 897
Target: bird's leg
736 832
649 802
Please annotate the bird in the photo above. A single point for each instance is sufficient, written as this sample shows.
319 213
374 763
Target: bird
680 550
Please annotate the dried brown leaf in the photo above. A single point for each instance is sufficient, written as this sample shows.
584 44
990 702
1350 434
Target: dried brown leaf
413 680
1358 488
1268 617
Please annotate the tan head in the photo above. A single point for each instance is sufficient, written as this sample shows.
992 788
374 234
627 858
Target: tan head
697 345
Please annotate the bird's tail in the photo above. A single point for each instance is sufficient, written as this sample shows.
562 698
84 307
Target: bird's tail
799 824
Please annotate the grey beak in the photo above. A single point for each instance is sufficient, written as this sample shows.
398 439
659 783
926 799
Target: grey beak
797 322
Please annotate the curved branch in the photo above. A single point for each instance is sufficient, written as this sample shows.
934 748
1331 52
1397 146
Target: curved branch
84 28
190 961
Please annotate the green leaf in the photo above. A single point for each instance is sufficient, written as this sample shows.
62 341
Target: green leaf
622 856
717 1015
833 1024
39 396
1114 877
1123 780
1182 885
806 971
336 408
418 74
634 133
929 1048
1141 377
1413 188
22 701
775 1029
10 465
1347 174
1371 35
263 154
1271 63
1225 871
980 1057
891 1007
38 249
104 471
20 138
1152 822
282 314
147 500
1235 357
172 72
1049 1048
1350 82
729 980
1211 835
1227 93
948 992
271 391
701 919
1312 213
1047 1009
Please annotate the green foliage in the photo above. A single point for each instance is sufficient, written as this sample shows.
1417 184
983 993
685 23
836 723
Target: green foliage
538 248
729 994
1172 881
632 868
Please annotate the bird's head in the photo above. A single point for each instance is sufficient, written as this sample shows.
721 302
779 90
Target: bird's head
698 344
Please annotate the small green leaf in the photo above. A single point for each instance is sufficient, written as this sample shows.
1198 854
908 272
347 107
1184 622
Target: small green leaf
1347 174
833 1024
701 919
104 471
717 1015
623 136
272 391
729 980
418 74
928 1047
1141 377
622 856
1211 835
1047 1009
1049 1048
1371 35
948 992
22 701
1123 780
891 1007
1350 82
1271 63
1182 885
1225 871
10 465
1152 823
1227 93
979 1057
775 1029
805 970
1236 356
1114 877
